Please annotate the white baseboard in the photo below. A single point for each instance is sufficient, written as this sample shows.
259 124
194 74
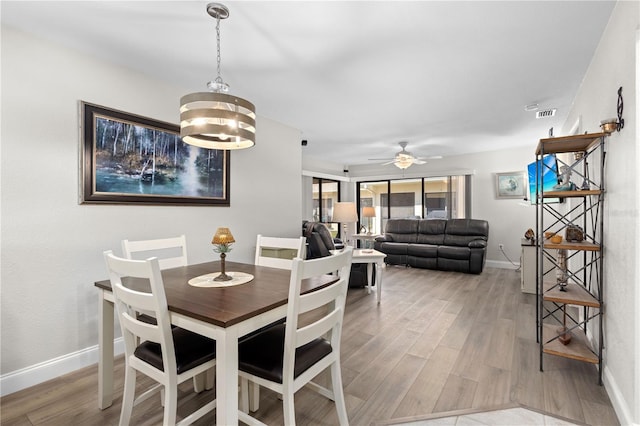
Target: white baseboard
500 264
623 411
47 370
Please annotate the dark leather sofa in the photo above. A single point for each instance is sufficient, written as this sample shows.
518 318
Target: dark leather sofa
319 244
449 245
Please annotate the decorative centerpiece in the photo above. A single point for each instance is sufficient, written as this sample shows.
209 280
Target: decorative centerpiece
222 241
530 236
565 180
574 233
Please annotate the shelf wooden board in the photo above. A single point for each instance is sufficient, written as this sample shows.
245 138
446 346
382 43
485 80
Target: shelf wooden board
575 295
583 245
577 349
571 194
575 143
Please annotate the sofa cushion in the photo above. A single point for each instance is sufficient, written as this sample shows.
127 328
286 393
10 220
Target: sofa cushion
460 232
402 230
448 252
431 231
422 250
475 227
394 248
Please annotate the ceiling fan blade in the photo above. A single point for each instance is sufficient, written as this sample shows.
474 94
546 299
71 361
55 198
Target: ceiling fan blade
381 159
389 162
419 161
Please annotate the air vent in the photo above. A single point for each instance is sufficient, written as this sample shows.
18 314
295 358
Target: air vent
546 113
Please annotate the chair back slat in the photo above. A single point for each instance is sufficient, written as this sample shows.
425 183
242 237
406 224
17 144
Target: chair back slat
321 297
172 252
143 330
333 296
294 247
318 328
129 302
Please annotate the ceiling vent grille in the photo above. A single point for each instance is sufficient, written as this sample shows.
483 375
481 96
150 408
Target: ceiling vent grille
546 113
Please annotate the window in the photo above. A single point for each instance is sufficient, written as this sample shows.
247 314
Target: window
444 197
326 193
370 194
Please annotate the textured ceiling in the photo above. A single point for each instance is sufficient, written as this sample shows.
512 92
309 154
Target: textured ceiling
355 77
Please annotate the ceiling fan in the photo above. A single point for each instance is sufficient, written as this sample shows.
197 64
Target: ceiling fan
404 159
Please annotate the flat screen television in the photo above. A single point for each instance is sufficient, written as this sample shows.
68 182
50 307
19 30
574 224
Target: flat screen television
548 166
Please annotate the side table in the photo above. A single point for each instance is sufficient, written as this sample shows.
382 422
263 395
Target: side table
371 257
367 239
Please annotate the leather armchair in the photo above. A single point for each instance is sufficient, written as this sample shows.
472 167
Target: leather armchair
319 240
319 244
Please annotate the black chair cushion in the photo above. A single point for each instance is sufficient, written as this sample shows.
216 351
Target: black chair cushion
191 350
262 354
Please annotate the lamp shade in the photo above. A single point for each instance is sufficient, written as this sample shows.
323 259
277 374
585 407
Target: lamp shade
223 236
216 120
345 212
368 212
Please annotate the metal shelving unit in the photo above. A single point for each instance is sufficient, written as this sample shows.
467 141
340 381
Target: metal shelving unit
569 275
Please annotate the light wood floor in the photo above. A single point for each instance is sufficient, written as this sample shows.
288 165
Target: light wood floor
439 342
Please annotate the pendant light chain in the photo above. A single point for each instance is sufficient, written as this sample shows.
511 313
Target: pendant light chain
219 57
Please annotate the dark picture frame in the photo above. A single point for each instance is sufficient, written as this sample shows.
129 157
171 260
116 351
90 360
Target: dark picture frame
130 159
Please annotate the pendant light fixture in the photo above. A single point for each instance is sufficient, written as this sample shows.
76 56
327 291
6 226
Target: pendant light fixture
216 119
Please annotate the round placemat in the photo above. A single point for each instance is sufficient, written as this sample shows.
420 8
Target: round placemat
207 280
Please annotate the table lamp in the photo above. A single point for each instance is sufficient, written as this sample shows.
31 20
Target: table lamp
369 212
222 241
345 212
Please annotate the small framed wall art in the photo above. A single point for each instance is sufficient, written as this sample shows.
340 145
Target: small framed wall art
511 185
126 158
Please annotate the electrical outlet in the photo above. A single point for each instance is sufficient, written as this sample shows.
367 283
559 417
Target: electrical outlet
500 246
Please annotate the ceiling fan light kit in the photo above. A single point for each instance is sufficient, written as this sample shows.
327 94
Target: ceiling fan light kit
216 119
404 159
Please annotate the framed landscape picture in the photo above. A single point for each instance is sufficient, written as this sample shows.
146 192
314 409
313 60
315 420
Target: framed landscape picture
127 158
511 185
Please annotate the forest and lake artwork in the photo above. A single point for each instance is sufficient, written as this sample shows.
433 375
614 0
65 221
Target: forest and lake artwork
134 159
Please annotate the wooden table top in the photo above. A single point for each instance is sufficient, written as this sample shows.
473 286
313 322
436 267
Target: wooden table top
225 306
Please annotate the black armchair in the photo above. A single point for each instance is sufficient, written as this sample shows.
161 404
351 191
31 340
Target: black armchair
319 244
319 240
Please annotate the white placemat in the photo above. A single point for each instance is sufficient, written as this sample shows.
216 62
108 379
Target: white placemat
207 280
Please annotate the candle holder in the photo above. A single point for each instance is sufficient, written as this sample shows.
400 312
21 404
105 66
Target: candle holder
222 241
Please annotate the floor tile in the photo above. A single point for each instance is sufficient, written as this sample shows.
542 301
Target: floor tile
508 417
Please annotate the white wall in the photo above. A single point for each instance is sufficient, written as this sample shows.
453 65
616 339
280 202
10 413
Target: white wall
52 246
615 64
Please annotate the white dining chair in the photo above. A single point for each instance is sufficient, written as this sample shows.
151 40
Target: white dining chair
167 355
172 252
293 247
287 356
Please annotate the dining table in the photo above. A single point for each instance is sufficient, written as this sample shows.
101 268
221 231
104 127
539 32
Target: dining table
223 312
